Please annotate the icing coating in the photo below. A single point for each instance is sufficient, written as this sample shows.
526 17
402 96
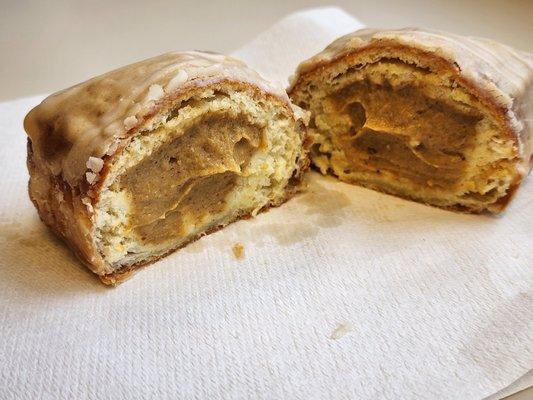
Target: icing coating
74 128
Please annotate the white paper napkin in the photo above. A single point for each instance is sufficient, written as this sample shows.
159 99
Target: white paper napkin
276 53
343 293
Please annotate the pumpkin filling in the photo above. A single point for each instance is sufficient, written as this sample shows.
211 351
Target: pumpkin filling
402 131
185 181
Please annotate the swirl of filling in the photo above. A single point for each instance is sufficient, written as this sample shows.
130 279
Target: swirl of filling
402 131
187 179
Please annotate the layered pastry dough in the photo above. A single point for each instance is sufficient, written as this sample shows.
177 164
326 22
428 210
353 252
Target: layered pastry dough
133 164
433 117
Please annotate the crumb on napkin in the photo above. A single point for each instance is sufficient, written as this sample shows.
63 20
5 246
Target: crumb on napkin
341 330
238 251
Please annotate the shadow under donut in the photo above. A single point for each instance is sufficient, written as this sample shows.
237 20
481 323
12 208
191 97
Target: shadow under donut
36 262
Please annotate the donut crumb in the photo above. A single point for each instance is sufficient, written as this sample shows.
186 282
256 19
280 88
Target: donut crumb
238 251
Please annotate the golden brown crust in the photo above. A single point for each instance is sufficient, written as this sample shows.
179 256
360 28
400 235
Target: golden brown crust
509 103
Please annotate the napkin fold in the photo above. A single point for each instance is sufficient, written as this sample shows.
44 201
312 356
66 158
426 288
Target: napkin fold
343 293
276 53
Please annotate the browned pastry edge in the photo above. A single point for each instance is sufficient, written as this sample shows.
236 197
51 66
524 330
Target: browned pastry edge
456 208
439 65
68 218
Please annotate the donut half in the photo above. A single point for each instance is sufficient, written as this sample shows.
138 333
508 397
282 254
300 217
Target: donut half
138 162
430 116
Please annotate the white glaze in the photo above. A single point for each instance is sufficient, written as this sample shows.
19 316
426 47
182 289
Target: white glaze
92 116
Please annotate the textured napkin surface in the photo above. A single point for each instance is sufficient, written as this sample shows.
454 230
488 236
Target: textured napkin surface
342 292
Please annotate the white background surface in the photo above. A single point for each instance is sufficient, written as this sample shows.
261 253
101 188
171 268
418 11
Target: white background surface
48 45
263 325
